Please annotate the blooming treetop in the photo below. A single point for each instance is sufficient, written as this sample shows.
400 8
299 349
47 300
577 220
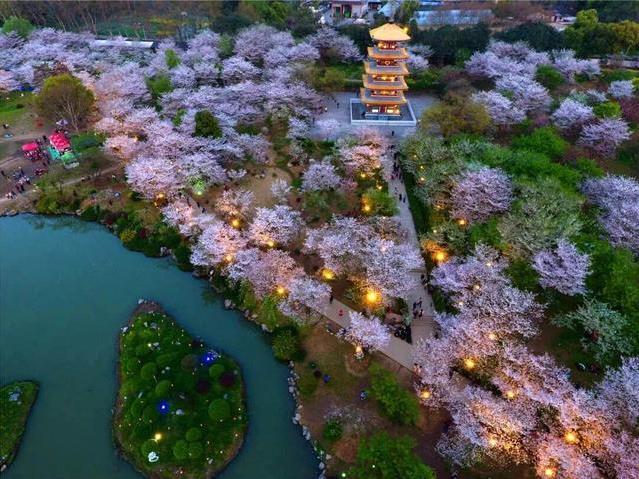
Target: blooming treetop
605 135
571 113
499 107
320 176
153 176
332 45
218 244
368 333
621 89
279 225
280 189
477 195
564 268
235 203
528 94
618 197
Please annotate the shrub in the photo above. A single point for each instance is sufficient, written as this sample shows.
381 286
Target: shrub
195 450
181 450
286 344
219 410
20 26
457 114
148 371
206 125
216 370
607 109
194 434
307 383
395 402
383 457
332 430
380 201
158 85
172 60
162 388
549 76
544 140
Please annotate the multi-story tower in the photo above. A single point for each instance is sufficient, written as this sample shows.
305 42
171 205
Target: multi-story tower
385 67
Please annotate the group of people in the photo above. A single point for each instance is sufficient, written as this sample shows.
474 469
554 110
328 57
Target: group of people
20 179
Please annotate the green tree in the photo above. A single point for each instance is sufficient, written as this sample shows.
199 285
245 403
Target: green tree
64 96
206 125
607 109
394 401
331 79
21 26
383 457
158 85
219 410
544 140
457 114
406 10
286 343
549 76
172 59
380 201
332 430
538 35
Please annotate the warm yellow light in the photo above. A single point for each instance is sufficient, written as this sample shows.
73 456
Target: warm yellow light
425 394
327 274
549 472
362 175
379 187
235 223
157 436
440 256
421 178
476 287
492 336
461 222
228 258
510 394
570 437
469 363
372 296
367 208
280 290
489 264
358 350
270 243
492 441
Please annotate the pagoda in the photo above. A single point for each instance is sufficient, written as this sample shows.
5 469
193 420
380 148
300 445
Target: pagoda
385 67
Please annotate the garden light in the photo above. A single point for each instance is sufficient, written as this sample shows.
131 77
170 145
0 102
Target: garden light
440 256
281 290
549 472
461 222
492 336
372 296
469 363
270 243
366 208
228 258
571 438
157 436
492 441
235 223
425 394
510 394
328 274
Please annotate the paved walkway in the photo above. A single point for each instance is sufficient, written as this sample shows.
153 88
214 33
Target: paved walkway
421 328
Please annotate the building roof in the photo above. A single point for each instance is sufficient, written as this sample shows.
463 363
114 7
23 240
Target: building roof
451 17
389 32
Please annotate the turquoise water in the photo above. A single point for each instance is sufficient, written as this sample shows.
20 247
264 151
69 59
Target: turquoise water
66 287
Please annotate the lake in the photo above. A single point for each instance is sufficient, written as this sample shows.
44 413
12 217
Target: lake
66 289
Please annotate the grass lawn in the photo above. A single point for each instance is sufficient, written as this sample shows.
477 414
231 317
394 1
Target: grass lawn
14 106
16 400
180 409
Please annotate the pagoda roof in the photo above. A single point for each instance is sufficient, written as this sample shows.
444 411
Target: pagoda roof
389 32
368 98
381 54
372 68
372 84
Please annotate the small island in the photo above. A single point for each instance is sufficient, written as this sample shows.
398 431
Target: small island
16 400
180 409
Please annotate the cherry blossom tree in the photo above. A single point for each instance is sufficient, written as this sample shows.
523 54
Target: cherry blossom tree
236 69
218 244
266 271
279 225
308 293
181 215
361 159
235 203
8 81
564 268
328 127
527 94
571 114
416 63
618 197
605 135
568 65
389 267
477 195
500 108
618 393
280 189
334 46
621 89
122 146
367 333
320 176
255 42
152 176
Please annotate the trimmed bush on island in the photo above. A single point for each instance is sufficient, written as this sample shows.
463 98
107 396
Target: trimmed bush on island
16 400
180 409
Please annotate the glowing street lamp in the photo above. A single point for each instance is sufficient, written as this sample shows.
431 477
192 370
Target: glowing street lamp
270 243
510 394
157 436
372 296
281 290
440 256
549 472
425 394
228 258
469 363
461 222
571 438
366 208
327 274
235 223
492 336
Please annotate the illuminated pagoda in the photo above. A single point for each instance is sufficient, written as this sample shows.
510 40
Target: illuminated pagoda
385 67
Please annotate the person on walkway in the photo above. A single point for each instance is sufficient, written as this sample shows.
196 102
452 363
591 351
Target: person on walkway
392 132
340 313
331 298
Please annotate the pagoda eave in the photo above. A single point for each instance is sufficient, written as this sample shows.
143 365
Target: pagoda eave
399 70
380 100
383 85
396 54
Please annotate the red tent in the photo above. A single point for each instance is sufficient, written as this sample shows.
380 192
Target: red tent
59 141
29 147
